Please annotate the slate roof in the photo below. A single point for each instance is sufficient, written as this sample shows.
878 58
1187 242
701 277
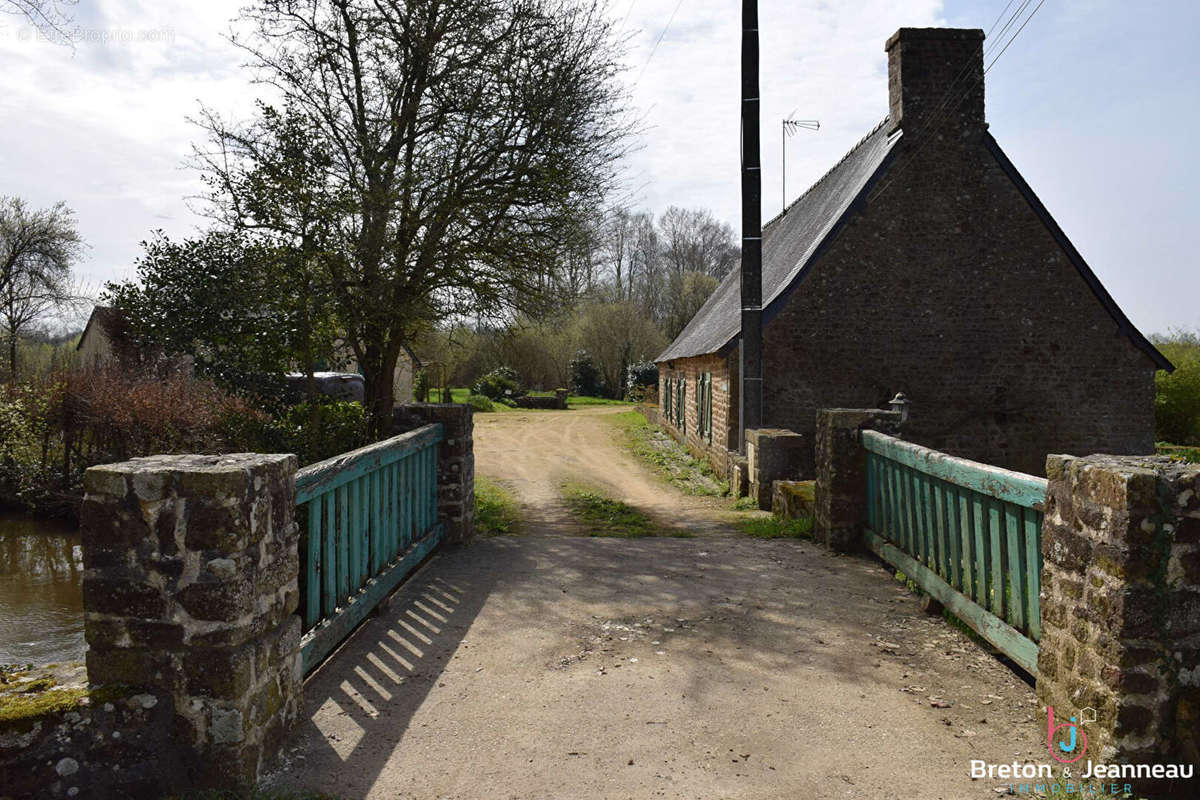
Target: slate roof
792 239
789 242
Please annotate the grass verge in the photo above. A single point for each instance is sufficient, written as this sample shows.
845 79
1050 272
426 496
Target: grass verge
777 527
495 509
461 394
605 516
1179 452
669 459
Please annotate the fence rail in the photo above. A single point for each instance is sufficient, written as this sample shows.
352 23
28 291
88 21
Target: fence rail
967 533
369 516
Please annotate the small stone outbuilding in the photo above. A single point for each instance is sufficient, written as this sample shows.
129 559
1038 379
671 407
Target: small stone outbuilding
923 263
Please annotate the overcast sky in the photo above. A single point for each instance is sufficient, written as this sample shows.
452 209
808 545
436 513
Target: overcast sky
1096 102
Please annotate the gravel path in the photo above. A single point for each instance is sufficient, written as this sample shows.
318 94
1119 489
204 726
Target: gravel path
549 665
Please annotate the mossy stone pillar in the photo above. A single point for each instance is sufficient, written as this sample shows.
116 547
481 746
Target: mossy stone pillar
1120 644
190 593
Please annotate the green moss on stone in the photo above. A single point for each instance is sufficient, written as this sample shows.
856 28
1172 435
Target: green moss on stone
40 698
22 706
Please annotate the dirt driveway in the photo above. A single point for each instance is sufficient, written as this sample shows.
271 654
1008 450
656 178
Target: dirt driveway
550 665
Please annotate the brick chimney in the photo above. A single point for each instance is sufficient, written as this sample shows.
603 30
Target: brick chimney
924 66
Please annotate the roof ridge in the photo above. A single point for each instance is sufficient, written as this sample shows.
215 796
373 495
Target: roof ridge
828 172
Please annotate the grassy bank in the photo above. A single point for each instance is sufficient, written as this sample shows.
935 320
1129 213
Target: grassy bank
605 516
495 509
667 458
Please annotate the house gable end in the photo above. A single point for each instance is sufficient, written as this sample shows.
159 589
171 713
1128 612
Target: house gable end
1124 325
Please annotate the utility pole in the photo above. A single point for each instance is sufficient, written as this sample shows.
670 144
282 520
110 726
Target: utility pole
751 395
790 126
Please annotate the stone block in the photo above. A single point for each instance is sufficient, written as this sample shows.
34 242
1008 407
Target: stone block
793 499
840 497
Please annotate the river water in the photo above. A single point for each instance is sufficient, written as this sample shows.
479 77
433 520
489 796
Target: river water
41 596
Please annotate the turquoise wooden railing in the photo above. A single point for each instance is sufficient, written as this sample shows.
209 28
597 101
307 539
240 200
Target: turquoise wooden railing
370 516
967 533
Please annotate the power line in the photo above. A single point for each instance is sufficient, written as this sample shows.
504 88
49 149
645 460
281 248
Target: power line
654 49
1012 19
988 35
1014 36
628 11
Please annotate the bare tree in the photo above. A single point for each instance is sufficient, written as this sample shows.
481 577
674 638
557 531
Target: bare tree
617 243
37 249
686 293
465 136
50 18
696 241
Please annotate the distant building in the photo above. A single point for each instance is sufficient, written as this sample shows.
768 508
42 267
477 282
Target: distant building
923 263
106 340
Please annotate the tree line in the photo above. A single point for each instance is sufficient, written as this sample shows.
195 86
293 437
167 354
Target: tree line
628 287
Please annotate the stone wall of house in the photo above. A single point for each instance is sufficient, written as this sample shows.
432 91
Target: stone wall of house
1121 606
946 285
724 411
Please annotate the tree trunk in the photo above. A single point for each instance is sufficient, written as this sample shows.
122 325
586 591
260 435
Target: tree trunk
378 370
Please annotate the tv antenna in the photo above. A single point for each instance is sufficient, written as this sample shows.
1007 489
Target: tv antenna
790 126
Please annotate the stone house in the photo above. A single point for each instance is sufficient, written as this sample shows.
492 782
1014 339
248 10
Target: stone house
923 263
105 339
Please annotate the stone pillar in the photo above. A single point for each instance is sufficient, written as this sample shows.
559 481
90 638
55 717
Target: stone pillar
774 454
561 395
739 475
840 495
189 594
456 461
1121 606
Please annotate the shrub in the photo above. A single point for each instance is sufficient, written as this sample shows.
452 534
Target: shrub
55 427
313 432
640 378
112 415
480 403
421 386
585 375
1177 394
500 382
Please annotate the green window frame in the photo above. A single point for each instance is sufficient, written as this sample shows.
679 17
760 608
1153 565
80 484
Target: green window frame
681 406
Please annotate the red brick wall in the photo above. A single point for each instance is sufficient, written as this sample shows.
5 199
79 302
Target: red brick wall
724 398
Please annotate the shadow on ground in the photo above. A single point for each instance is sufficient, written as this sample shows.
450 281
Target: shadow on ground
723 666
